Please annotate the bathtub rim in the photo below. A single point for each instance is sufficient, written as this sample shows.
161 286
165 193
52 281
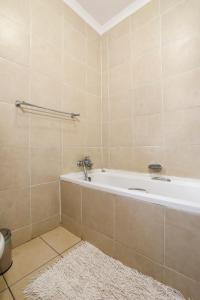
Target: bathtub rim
175 203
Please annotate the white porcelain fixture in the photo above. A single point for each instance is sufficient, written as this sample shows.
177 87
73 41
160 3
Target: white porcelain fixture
180 193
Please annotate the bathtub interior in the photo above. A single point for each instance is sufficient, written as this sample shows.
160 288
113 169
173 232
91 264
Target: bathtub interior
184 189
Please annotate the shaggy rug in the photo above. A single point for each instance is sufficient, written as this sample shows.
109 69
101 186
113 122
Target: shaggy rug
86 273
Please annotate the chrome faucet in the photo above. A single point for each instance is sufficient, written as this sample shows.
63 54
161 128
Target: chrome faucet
86 163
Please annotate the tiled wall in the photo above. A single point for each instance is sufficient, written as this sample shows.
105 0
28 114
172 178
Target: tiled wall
158 241
49 57
151 90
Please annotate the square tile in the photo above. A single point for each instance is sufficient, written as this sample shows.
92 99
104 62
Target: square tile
18 288
6 295
60 239
3 285
27 258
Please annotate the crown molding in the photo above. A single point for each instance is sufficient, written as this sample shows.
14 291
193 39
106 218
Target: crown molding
101 29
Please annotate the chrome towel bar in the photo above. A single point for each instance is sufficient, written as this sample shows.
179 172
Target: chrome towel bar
23 103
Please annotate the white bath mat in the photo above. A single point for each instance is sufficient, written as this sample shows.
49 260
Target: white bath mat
86 273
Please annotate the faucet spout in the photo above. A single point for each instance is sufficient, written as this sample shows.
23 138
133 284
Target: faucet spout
86 164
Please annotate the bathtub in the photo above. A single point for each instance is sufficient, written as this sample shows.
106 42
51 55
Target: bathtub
179 193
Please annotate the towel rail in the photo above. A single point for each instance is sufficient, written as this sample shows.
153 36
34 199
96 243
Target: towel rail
23 103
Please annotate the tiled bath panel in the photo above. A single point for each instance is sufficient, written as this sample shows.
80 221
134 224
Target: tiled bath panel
158 241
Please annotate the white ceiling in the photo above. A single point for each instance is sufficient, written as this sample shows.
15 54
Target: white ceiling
103 10
105 14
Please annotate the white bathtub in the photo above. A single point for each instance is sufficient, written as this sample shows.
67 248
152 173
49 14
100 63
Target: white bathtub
180 193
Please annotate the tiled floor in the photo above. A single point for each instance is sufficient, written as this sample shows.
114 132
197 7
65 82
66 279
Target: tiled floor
31 258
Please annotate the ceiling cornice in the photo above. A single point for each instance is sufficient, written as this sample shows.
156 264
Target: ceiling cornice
101 29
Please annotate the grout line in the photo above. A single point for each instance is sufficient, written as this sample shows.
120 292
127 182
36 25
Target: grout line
49 245
14 283
70 248
8 288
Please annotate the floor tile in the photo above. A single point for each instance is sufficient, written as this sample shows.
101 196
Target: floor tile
19 287
60 239
3 285
6 295
27 258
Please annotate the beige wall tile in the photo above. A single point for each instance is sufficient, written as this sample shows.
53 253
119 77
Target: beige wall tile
74 72
120 106
45 226
71 225
182 91
145 155
14 81
17 10
47 21
120 29
10 201
71 200
71 17
181 244
14 41
44 201
74 133
181 22
45 168
13 126
21 236
148 130
120 133
45 58
146 37
139 225
184 219
187 286
93 107
119 50
104 52
120 78
93 134
181 163
74 100
45 91
147 68
148 99
121 158
45 131
98 211
141 263
175 128
146 14
14 167
99 240
169 4
93 81
104 84
181 56
93 54
74 42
